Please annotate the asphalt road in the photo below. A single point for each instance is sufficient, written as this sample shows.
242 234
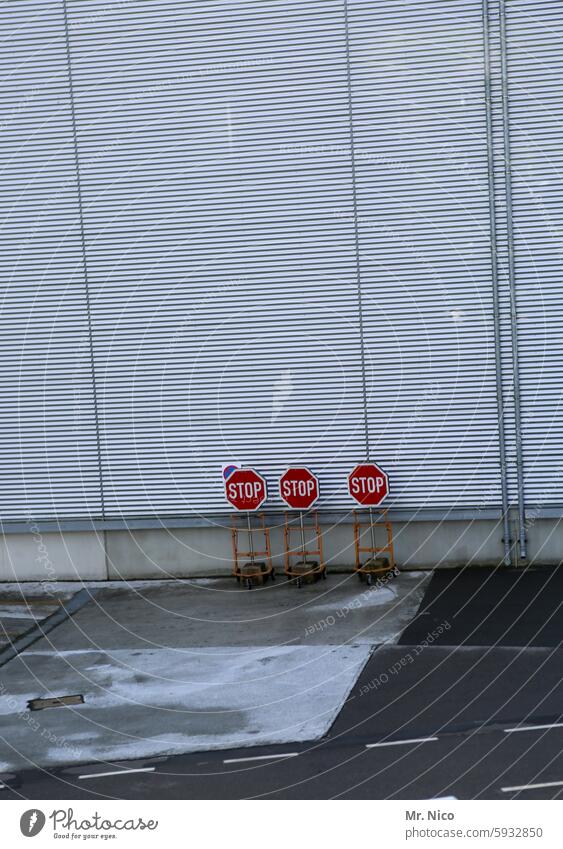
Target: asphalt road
484 764
492 607
435 716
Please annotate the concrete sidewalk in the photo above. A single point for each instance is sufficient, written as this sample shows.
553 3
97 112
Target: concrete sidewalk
182 666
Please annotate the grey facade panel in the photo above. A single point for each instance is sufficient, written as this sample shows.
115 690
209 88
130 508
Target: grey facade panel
425 262
223 281
47 423
274 221
534 49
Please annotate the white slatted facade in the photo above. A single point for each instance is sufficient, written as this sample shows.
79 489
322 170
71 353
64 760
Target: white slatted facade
423 213
47 423
223 282
240 164
535 74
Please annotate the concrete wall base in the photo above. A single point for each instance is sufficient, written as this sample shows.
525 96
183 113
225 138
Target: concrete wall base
52 557
199 552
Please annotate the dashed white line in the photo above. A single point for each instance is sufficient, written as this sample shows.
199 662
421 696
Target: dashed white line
532 786
401 742
533 727
3 786
260 758
115 772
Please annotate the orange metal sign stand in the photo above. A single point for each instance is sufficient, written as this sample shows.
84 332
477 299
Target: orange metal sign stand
303 569
254 566
380 559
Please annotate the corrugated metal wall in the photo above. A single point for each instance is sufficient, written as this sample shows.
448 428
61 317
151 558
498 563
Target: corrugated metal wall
237 194
535 86
425 261
224 292
49 461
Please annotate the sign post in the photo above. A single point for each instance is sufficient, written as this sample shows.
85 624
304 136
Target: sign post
246 491
299 488
368 484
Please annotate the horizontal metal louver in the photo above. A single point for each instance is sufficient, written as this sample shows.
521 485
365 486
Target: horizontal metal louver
222 271
425 259
535 72
209 210
47 423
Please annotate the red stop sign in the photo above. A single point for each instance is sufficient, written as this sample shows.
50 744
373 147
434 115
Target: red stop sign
245 489
299 488
368 484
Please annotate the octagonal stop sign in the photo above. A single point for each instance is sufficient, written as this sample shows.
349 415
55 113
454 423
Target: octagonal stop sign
245 489
368 484
299 488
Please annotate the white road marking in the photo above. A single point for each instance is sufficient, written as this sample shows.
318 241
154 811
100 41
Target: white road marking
532 786
116 772
260 758
401 742
3 786
533 727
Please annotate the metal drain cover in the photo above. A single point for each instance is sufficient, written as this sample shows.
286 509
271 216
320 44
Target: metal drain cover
58 701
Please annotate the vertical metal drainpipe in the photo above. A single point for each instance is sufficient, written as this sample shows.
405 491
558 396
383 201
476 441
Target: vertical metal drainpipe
356 231
495 284
512 286
84 262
